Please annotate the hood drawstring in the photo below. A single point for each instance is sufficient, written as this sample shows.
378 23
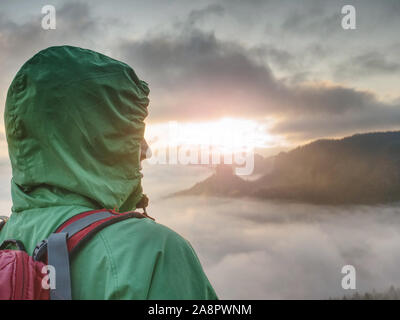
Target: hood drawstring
3 220
142 204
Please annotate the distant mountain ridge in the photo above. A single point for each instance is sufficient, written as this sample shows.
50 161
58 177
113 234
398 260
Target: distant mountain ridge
360 169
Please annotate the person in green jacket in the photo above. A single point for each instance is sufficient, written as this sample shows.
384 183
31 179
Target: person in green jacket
74 122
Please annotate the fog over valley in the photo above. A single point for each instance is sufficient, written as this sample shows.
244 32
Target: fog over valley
278 250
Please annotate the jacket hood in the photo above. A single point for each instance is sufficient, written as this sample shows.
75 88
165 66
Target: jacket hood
74 121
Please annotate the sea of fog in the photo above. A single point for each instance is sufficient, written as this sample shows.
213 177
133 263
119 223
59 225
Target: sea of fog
267 249
275 250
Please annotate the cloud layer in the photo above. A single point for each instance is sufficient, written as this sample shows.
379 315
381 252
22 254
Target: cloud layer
197 76
273 250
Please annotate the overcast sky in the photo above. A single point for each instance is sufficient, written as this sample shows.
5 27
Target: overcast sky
290 61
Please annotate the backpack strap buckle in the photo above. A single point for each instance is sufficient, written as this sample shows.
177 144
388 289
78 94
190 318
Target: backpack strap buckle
40 250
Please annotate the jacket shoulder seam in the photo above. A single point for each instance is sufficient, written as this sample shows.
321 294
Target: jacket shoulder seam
112 264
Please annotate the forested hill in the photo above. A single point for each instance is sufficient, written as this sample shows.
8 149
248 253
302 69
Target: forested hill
363 168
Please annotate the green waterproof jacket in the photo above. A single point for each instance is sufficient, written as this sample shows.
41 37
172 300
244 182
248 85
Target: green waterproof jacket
74 121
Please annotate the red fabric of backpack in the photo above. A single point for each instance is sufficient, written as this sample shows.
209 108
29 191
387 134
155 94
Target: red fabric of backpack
24 277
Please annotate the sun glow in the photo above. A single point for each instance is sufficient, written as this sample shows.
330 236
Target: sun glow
226 135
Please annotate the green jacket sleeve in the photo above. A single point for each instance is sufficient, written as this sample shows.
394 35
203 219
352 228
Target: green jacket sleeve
139 259
178 273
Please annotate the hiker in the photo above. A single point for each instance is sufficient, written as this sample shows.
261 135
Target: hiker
74 122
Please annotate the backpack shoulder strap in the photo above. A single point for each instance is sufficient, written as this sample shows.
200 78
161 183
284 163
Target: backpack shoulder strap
69 237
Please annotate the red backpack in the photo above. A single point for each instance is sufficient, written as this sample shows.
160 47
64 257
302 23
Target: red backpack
24 277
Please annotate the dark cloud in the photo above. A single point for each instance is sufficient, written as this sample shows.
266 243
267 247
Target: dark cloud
197 63
75 18
198 15
283 59
206 77
367 65
312 20
306 128
194 75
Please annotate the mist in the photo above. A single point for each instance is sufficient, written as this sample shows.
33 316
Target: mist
254 249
